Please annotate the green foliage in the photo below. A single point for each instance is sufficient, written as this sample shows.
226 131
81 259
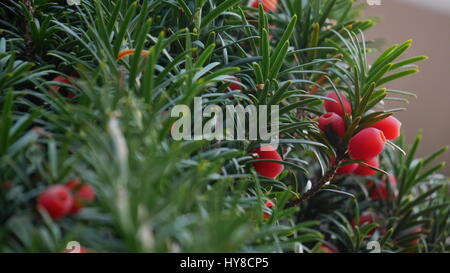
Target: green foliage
155 194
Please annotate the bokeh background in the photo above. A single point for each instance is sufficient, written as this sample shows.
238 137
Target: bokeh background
427 23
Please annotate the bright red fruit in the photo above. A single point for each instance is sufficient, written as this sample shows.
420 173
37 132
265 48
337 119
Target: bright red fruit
390 126
83 194
268 5
336 107
380 191
366 144
267 168
56 200
366 171
332 121
61 79
269 204
234 86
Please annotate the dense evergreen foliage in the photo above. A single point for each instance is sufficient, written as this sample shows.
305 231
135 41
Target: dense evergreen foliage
86 91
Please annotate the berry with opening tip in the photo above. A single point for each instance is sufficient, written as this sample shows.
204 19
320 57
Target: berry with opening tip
380 191
363 170
390 126
267 168
332 122
56 200
366 144
336 106
83 194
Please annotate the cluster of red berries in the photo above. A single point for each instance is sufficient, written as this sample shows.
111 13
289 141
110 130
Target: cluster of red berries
61 200
365 145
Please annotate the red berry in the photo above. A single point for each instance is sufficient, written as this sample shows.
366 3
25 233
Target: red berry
267 168
380 191
268 5
325 248
266 216
56 200
366 144
346 169
83 194
234 86
61 79
366 171
269 204
332 121
390 127
336 107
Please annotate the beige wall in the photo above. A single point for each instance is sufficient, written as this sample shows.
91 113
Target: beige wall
430 31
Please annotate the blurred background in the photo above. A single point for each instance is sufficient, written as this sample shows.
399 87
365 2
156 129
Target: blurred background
427 23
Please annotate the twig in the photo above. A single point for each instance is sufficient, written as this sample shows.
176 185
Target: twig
328 177
28 36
